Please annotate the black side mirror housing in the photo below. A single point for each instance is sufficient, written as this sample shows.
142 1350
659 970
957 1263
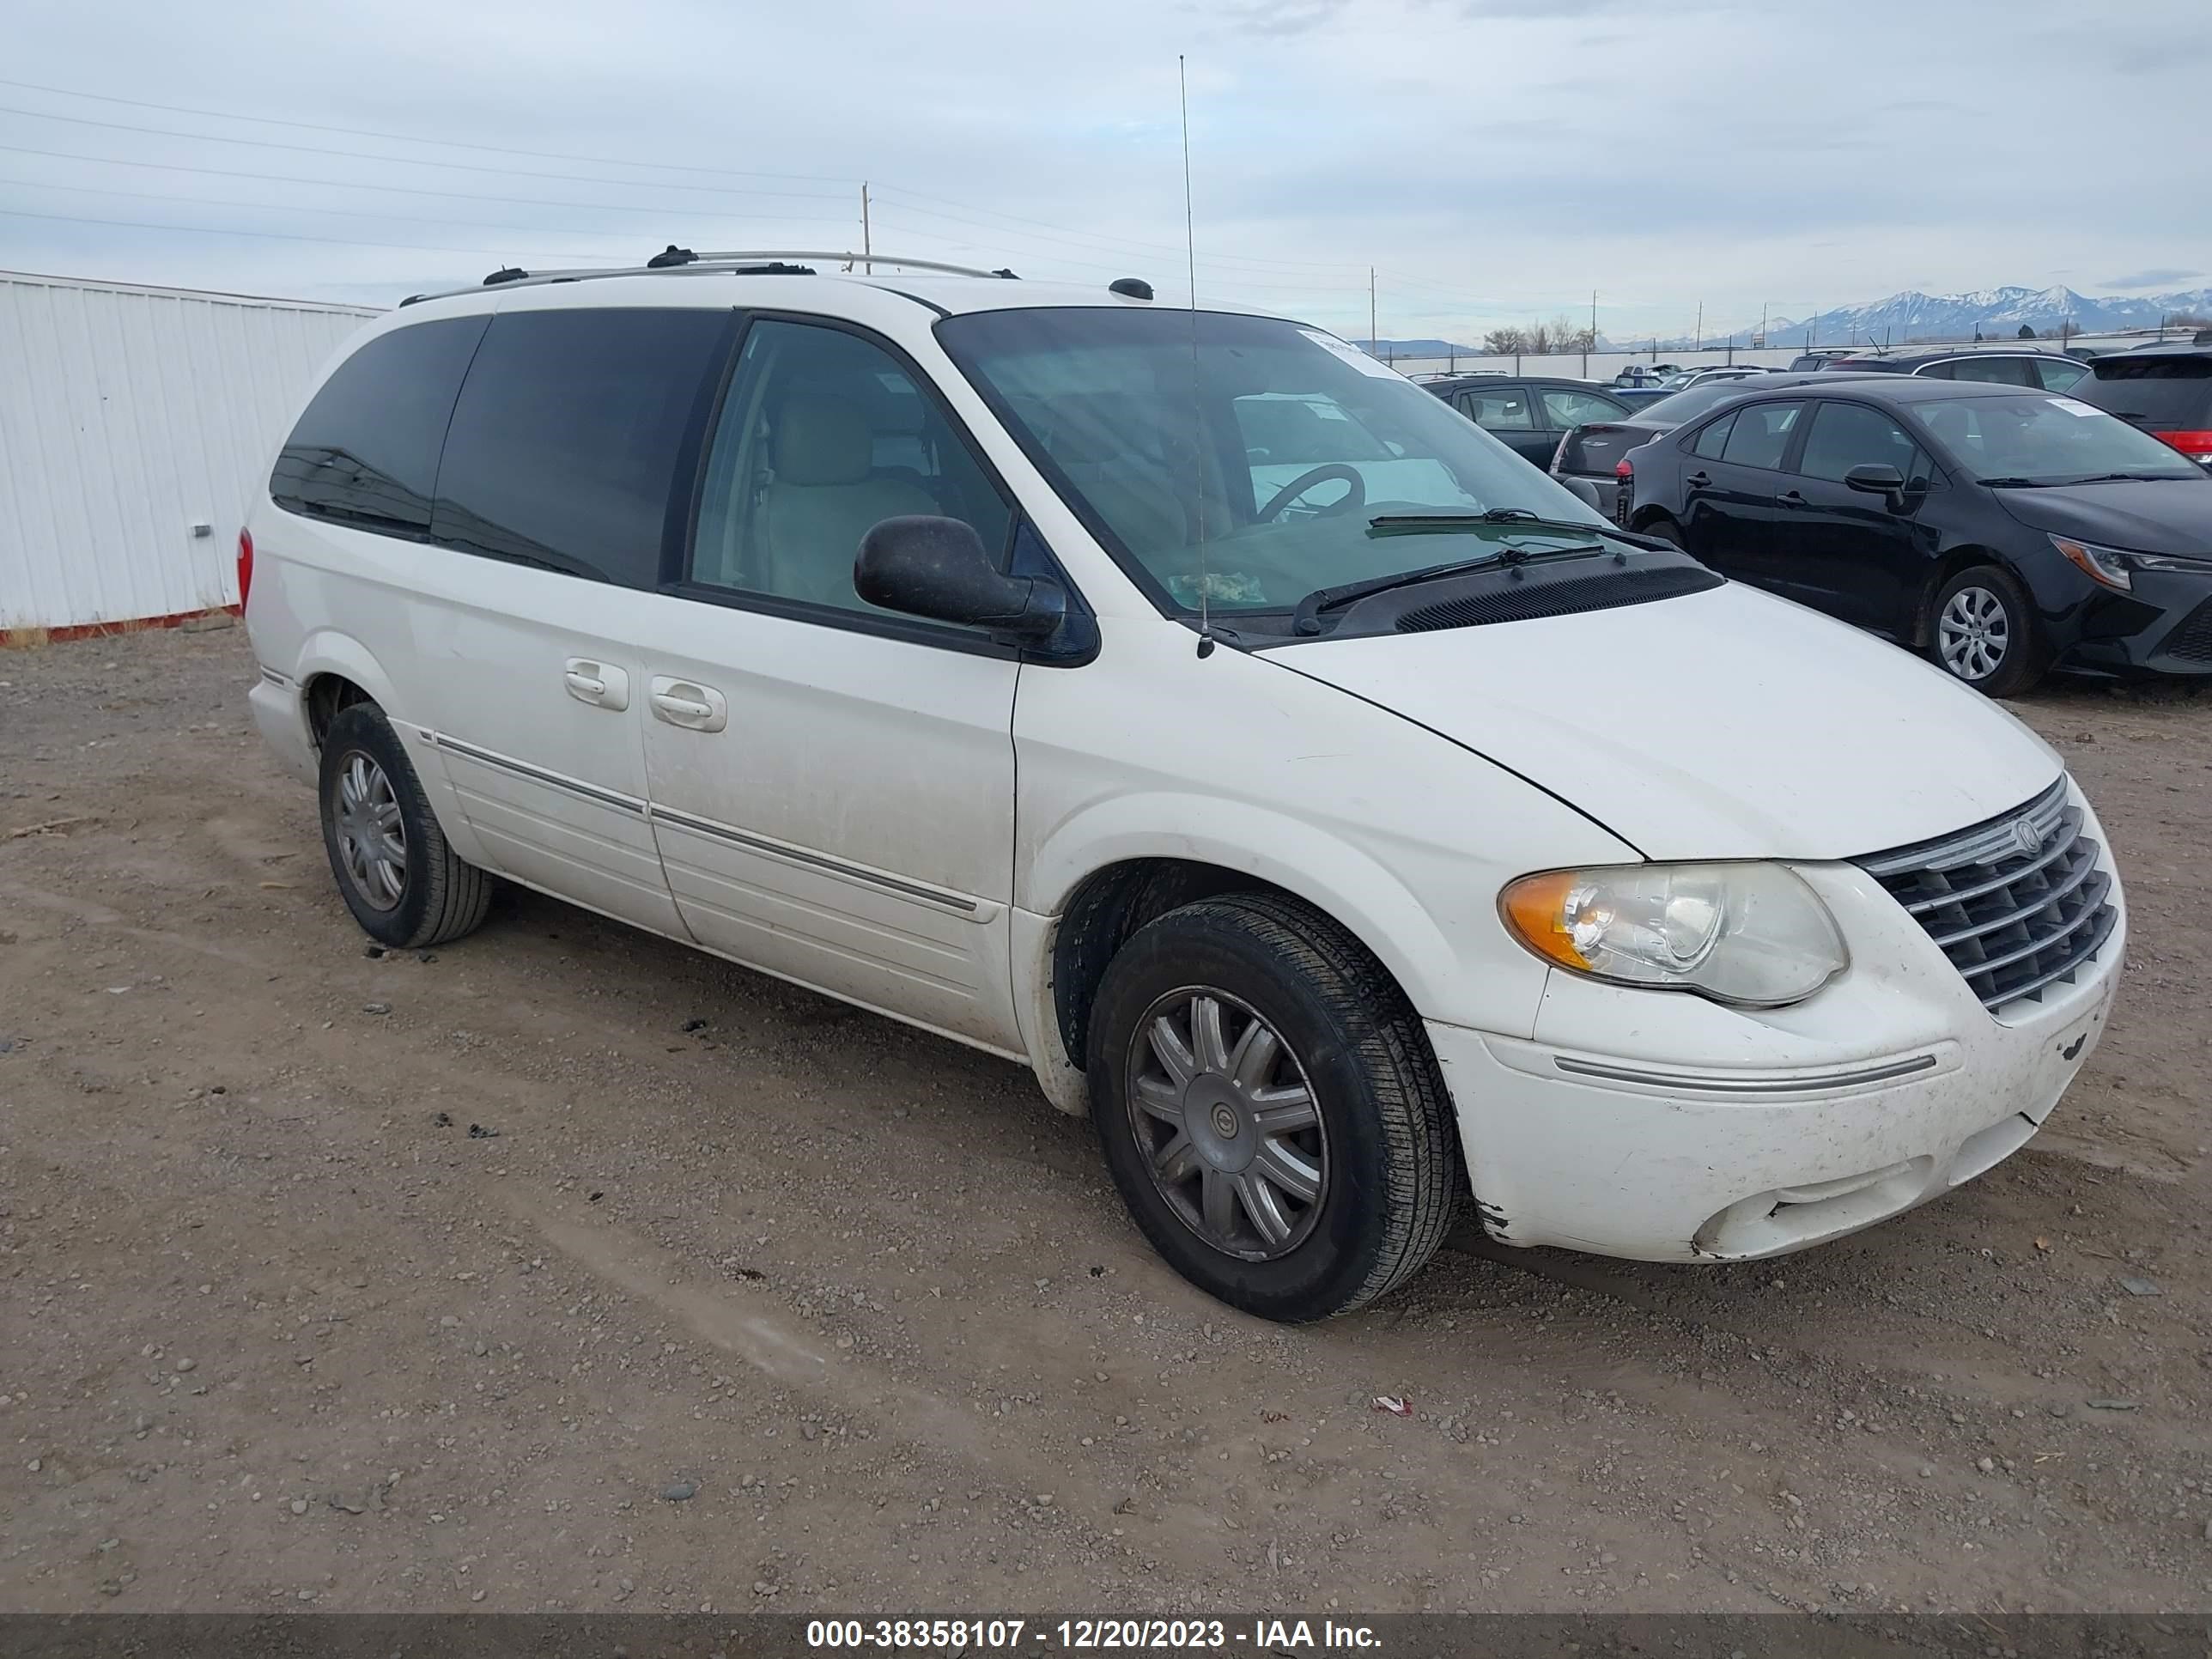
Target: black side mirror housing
1875 480
1879 480
939 568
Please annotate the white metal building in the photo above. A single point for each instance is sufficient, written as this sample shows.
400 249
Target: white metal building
132 423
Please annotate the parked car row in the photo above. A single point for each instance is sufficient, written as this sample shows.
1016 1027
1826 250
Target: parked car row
2007 531
2021 535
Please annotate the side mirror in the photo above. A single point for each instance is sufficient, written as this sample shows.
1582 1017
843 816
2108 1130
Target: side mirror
939 568
1885 482
1585 492
1875 480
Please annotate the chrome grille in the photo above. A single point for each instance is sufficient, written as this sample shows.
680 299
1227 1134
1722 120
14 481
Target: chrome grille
2017 903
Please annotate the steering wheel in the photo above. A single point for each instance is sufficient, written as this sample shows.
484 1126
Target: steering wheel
1354 498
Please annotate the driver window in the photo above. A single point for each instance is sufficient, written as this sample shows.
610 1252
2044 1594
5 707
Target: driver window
824 435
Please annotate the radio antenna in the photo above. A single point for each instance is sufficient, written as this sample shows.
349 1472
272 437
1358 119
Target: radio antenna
1197 420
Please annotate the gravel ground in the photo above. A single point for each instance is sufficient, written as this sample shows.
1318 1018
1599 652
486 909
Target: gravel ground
493 1279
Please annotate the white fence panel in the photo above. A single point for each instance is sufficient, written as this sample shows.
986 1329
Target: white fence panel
128 415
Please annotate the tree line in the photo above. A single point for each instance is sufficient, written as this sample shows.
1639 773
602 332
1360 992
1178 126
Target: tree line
1541 339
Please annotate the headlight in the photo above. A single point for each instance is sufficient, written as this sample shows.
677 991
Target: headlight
1748 934
2108 565
2114 566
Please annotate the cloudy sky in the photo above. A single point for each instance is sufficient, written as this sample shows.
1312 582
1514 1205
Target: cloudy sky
1492 160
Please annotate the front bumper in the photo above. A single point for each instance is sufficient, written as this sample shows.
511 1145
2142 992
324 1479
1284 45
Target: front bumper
2163 627
1662 1127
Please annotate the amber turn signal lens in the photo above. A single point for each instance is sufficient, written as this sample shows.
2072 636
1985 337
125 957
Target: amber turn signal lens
1535 908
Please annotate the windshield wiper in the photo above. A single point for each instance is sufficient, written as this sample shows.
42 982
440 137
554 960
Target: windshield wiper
1306 619
2126 478
2016 484
1421 523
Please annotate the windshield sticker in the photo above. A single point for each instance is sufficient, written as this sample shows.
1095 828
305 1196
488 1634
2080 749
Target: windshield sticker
1351 354
2074 406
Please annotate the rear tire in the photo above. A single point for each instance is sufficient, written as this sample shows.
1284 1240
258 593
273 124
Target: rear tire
1292 1153
1983 633
1664 530
405 886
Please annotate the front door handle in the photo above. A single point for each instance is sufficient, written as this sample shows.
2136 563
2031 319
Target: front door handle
1792 498
687 703
599 684
1697 480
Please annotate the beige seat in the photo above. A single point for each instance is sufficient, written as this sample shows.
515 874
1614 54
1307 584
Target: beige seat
821 501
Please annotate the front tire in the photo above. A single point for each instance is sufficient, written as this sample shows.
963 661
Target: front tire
405 886
1269 1107
1983 633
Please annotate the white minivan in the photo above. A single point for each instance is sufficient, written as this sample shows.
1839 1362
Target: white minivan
1187 707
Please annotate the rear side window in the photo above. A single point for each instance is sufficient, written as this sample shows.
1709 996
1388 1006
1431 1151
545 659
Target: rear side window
1712 442
576 436
2175 392
1994 371
365 451
1569 408
2057 375
1498 411
1761 435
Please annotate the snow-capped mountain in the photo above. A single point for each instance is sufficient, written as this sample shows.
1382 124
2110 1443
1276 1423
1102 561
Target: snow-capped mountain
1997 313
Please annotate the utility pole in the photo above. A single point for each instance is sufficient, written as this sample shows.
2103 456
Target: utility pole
1763 305
1374 335
866 245
1698 338
1592 343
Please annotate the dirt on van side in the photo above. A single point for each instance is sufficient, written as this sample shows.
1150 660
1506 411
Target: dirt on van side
563 1268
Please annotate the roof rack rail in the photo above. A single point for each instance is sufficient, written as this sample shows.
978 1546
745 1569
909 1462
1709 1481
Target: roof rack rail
849 256
756 263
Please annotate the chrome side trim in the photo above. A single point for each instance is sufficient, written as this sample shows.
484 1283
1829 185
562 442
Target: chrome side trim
540 775
1706 1084
814 861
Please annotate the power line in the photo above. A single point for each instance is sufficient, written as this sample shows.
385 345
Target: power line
1100 243
1108 244
404 138
279 235
409 161
400 189
346 213
1238 267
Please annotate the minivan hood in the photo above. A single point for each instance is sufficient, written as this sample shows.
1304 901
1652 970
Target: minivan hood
1721 725
2145 515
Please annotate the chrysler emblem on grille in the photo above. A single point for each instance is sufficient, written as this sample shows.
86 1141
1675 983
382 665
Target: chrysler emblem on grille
2029 837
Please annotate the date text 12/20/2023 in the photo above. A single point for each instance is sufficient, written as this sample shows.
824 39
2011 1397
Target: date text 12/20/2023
1086 1635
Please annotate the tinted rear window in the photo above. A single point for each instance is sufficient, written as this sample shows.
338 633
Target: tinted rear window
1761 435
573 442
2175 392
365 451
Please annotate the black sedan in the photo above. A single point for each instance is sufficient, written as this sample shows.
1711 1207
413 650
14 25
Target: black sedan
1593 450
2007 531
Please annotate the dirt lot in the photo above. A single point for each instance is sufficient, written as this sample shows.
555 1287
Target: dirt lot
440 1283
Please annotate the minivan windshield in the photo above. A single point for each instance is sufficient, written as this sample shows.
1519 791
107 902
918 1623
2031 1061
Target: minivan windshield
2036 438
1247 459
